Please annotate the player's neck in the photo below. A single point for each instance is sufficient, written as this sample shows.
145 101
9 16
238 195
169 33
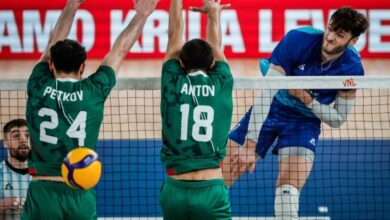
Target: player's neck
67 75
325 58
17 163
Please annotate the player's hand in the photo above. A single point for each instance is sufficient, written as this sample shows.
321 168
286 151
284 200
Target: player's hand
244 159
75 4
209 6
145 7
13 204
302 95
76 1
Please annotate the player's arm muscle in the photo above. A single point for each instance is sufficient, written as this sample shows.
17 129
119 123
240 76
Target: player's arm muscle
62 28
337 114
175 30
130 34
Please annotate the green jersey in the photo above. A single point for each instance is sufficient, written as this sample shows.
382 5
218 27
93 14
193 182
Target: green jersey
196 111
63 114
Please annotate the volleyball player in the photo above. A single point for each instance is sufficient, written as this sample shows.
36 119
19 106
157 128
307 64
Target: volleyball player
196 110
14 178
65 112
291 124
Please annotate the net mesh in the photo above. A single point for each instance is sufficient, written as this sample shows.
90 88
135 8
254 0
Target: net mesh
350 178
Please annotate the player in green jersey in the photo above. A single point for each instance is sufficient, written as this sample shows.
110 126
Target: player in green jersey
65 112
196 111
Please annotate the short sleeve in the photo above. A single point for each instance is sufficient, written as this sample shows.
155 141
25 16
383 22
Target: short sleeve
353 65
221 68
170 70
281 55
103 79
221 73
39 76
172 67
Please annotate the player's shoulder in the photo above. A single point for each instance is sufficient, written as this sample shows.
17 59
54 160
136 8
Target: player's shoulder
172 67
306 32
351 56
310 30
303 40
352 62
2 165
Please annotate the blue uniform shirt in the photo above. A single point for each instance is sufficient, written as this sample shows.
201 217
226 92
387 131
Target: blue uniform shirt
289 121
299 54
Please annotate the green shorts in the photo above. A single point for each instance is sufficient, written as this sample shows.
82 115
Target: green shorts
195 200
55 200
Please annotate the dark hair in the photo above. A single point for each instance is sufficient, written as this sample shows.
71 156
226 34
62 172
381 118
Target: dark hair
67 55
14 123
349 20
196 54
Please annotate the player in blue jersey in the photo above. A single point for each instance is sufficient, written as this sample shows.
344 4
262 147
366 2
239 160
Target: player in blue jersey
289 120
14 178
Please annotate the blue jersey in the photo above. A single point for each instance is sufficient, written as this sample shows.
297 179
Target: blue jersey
299 54
290 122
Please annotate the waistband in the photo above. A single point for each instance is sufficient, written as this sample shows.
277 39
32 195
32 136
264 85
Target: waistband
194 184
171 172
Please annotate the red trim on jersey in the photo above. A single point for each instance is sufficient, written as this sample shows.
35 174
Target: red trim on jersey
32 171
171 172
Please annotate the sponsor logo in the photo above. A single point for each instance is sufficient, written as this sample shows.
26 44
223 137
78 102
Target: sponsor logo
312 141
8 186
349 83
302 67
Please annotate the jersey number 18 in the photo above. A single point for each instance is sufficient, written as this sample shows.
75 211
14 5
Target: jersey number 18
200 121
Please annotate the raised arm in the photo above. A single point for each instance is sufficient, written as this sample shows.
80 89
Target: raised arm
130 34
62 28
213 32
175 30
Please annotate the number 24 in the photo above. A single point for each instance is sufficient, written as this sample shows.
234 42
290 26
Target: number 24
76 129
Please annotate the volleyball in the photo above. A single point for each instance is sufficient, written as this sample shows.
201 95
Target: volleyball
81 168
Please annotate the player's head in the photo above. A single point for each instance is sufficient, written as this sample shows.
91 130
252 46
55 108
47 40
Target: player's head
344 28
196 54
16 139
68 56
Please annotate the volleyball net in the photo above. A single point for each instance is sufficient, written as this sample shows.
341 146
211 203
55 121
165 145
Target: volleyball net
350 178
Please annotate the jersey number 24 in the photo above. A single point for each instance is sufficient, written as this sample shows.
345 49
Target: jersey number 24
76 129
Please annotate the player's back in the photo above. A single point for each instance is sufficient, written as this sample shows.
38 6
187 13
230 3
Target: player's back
62 114
196 111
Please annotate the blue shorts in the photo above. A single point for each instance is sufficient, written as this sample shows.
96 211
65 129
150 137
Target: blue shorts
282 128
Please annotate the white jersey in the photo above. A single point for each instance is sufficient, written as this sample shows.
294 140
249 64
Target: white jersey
13 184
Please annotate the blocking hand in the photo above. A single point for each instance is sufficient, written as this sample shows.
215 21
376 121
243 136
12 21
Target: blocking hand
209 6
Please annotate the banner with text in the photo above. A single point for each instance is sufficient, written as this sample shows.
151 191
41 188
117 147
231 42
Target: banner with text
250 28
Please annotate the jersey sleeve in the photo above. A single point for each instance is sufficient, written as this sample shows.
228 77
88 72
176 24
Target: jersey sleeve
103 79
353 66
170 69
287 51
39 76
221 72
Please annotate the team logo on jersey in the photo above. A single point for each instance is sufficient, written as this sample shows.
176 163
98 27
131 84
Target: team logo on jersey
302 67
312 141
8 186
